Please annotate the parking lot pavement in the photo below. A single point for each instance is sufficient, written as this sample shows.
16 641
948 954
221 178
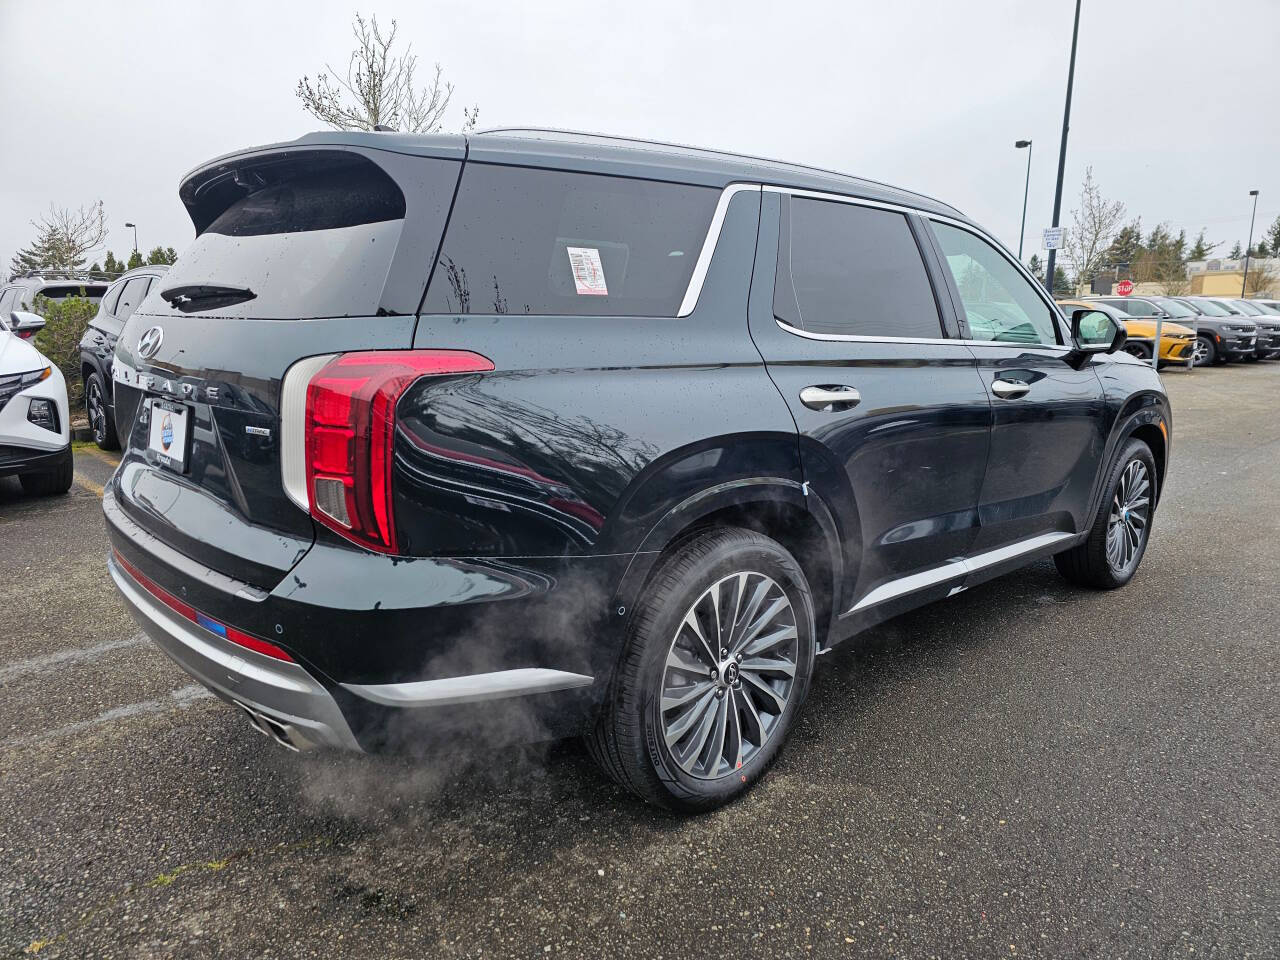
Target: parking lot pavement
1024 770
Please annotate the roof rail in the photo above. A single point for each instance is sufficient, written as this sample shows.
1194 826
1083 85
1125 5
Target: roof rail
587 134
56 273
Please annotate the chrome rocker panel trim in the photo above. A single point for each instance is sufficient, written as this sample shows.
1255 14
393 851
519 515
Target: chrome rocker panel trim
956 569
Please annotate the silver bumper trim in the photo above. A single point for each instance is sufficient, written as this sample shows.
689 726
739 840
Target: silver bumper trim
470 689
282 692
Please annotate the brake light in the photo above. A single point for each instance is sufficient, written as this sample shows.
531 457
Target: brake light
350 427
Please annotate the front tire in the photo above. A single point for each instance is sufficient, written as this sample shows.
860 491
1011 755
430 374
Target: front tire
1117 540
100 422
47 483
1136 348
1205 351
717 662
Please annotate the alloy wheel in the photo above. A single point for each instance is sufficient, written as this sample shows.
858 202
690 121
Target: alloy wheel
1130 517
97 412
729 675
1200 352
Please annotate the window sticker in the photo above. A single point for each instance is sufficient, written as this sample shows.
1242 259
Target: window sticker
588 271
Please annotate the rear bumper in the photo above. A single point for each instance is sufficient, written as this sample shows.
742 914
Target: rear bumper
390 654
289 703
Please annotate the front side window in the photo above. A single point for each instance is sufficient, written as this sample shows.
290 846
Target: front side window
851 270
1175 309
1000 304
551 243
1211 309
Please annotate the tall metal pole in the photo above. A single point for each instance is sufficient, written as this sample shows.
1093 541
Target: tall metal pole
1062 153
1021 233
1245 278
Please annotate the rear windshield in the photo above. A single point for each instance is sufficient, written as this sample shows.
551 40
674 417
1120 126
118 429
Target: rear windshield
546 242
318 241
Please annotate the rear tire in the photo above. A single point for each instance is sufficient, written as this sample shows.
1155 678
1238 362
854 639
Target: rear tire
49 482
677 730
1117 540
100 422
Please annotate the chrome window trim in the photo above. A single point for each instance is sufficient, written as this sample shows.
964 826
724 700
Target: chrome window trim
977 231
941 341
954 569
694 289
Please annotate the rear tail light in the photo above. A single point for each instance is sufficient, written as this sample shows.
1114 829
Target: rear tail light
350 428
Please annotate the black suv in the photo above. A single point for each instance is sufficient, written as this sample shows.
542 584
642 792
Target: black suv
98 345
535 434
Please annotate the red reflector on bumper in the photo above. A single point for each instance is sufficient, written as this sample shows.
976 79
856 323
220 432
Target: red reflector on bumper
200 619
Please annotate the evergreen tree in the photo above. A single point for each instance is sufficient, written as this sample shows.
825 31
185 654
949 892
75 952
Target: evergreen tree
135 260
1061 285
1273 237
1202 249
1236 253
164 255
111 264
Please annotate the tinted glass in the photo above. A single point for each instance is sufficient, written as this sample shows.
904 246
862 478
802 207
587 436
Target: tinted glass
1267 309
544 242
1229 309
1246 308
113 297
317 242
91 291
7 299
135 288
1210 309
1000 304
1140 308
1174 309
854 271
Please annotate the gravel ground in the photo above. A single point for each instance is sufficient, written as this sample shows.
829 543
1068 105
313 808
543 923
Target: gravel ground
1024 770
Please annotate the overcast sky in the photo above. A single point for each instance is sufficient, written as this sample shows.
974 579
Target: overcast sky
1175 102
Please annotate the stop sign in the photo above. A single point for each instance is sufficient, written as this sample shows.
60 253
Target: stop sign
1124 287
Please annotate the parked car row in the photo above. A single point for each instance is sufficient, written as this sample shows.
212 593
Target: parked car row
1199 330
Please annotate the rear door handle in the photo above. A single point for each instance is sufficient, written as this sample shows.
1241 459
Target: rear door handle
830 398
1010 389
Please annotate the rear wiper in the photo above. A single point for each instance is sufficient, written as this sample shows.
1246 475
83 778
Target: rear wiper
198 296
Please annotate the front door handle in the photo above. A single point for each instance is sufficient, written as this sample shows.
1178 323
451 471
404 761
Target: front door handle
1010 389
830 398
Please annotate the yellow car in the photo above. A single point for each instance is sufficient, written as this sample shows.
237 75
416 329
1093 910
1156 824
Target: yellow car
1177 343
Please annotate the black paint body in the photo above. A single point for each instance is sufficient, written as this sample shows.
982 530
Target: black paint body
534 500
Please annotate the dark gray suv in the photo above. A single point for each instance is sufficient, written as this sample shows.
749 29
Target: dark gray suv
1221 334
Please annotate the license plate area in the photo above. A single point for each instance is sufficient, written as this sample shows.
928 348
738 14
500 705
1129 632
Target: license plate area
169 437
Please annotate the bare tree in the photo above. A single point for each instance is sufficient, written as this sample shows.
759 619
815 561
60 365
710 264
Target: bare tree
64 237
379 88
1262 278
1094 224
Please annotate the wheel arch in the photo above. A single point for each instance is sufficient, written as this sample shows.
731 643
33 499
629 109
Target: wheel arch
777 507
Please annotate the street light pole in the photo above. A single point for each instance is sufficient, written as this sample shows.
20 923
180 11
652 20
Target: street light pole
1245 278
1062 152
1019 145
135 236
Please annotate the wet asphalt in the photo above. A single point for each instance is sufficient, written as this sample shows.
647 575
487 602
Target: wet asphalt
1024 770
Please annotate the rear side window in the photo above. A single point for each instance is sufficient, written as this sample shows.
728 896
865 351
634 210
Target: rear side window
113 296
92 291
134 289
852 270
312 236
546 242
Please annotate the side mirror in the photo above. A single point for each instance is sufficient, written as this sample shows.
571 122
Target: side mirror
24 324
1093 331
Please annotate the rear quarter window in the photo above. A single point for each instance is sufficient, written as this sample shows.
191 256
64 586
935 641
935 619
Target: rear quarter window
548 242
